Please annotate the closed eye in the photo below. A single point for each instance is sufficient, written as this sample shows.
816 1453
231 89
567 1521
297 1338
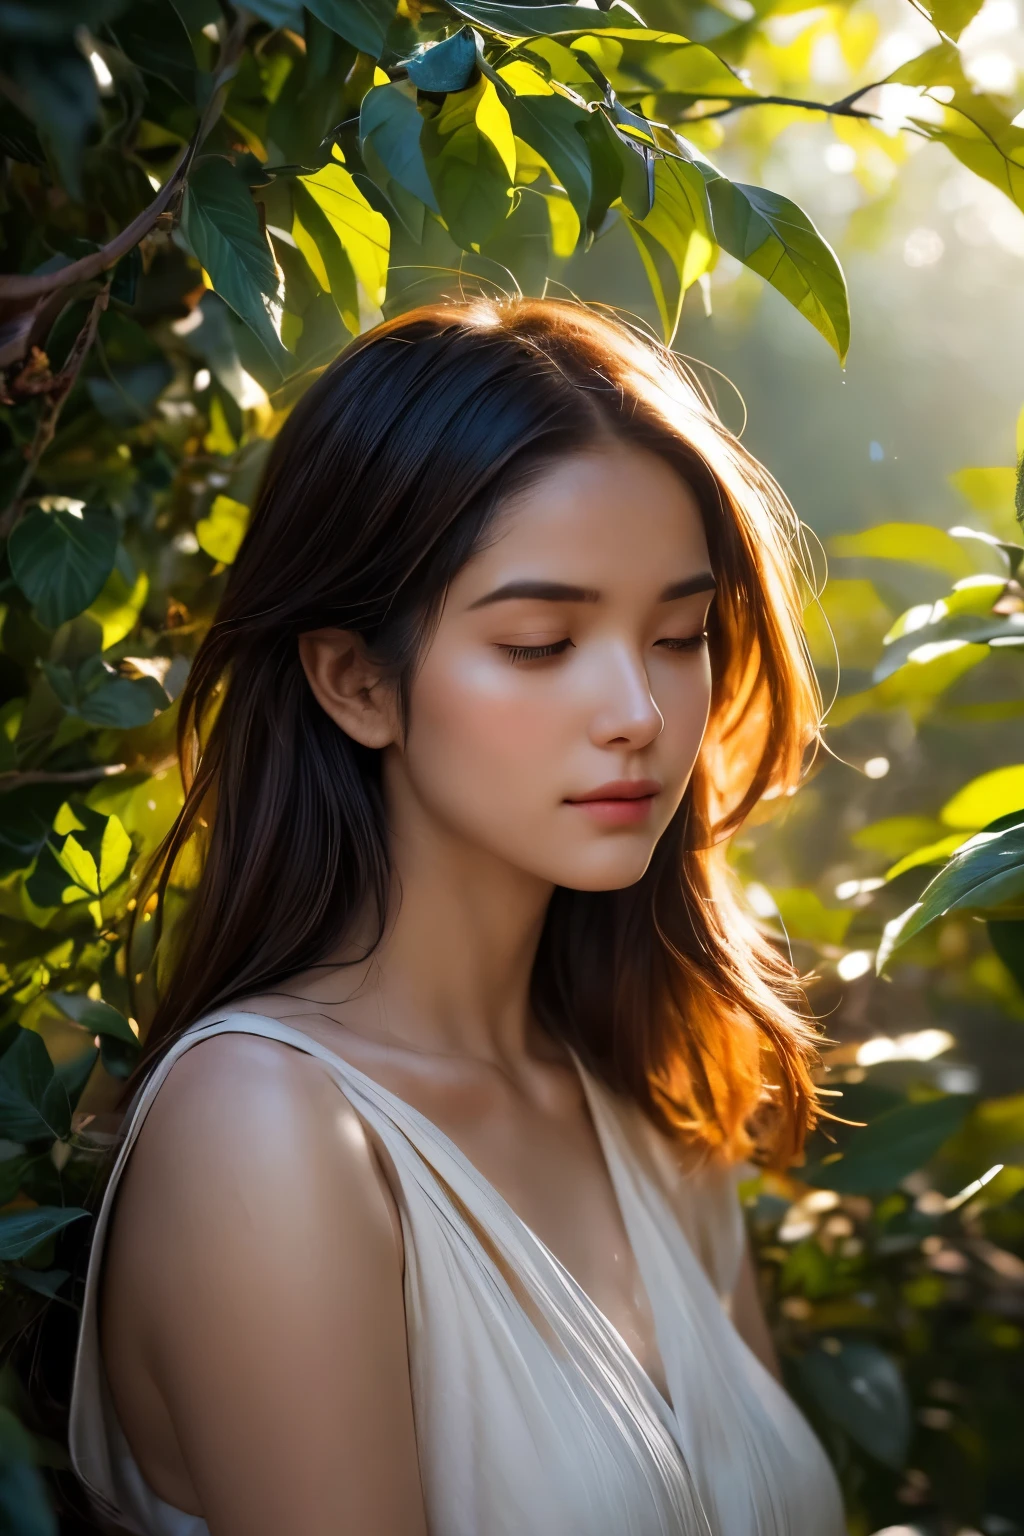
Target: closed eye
519 653
690 643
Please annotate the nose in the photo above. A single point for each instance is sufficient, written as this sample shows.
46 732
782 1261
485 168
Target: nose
627 714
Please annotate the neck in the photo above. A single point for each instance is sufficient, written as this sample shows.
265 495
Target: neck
451 975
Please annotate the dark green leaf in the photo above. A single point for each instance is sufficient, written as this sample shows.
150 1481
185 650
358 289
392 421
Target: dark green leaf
450 65
776 239
363 23
898 1143
861 1389
25 1508
23 1231
220 223
97 1017
543 20
553 126
33 1102
151 34
46 1282
61 562
971 628
985 873
1007 939
390 121
125 703
58 89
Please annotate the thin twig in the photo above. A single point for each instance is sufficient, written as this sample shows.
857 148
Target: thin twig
62 385
14 779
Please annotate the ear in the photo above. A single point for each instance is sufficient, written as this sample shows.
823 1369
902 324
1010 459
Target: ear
349 687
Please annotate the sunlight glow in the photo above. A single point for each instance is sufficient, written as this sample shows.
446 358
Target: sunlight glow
104 79
921 1045
992 71
857 963
876 767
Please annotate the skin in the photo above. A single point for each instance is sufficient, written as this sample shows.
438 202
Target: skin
253 1323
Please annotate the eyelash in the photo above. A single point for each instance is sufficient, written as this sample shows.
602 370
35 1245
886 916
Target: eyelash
520 653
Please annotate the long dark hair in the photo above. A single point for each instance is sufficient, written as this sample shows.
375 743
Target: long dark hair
382 482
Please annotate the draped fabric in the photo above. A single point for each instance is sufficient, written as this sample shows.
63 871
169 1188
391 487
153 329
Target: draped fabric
532 1414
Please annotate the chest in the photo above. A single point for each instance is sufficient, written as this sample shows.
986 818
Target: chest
552 1173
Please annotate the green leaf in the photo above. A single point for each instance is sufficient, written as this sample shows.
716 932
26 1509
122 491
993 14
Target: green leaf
916 543
45 1282
61 561
674 240
553 126
362 232
221 532
985 799
898 1143
124 704
23 1231
220 223
466 144
974 127
33 1102
544 20
861 1389
450 65
773 237
363 23
390 121
985 874
952 16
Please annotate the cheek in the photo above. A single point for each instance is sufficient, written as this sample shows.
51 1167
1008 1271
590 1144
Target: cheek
473 717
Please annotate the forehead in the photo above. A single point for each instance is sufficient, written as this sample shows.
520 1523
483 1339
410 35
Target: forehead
612 518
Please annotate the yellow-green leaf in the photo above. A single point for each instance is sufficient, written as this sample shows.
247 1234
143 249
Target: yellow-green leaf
363 232
221 533
80 865
916 543
986 798
115 850
931 853
118 606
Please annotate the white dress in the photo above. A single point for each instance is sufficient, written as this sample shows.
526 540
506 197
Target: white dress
535 1419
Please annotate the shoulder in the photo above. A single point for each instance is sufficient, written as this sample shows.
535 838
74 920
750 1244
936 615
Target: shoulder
245 1125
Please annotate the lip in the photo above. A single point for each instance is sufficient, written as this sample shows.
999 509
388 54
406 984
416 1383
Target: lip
622 802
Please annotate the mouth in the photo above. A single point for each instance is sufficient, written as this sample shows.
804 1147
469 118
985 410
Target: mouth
623 802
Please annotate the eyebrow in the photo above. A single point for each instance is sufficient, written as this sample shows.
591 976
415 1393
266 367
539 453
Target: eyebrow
561 592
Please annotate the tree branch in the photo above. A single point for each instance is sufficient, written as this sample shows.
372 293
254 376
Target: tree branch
843 108
13 779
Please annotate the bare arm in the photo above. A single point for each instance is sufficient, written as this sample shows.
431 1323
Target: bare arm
748 1315
254 1279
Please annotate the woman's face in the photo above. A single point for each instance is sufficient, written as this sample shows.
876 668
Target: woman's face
559 707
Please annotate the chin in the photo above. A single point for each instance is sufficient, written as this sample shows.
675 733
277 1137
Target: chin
612 872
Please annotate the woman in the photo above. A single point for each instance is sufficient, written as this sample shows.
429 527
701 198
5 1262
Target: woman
430 1219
